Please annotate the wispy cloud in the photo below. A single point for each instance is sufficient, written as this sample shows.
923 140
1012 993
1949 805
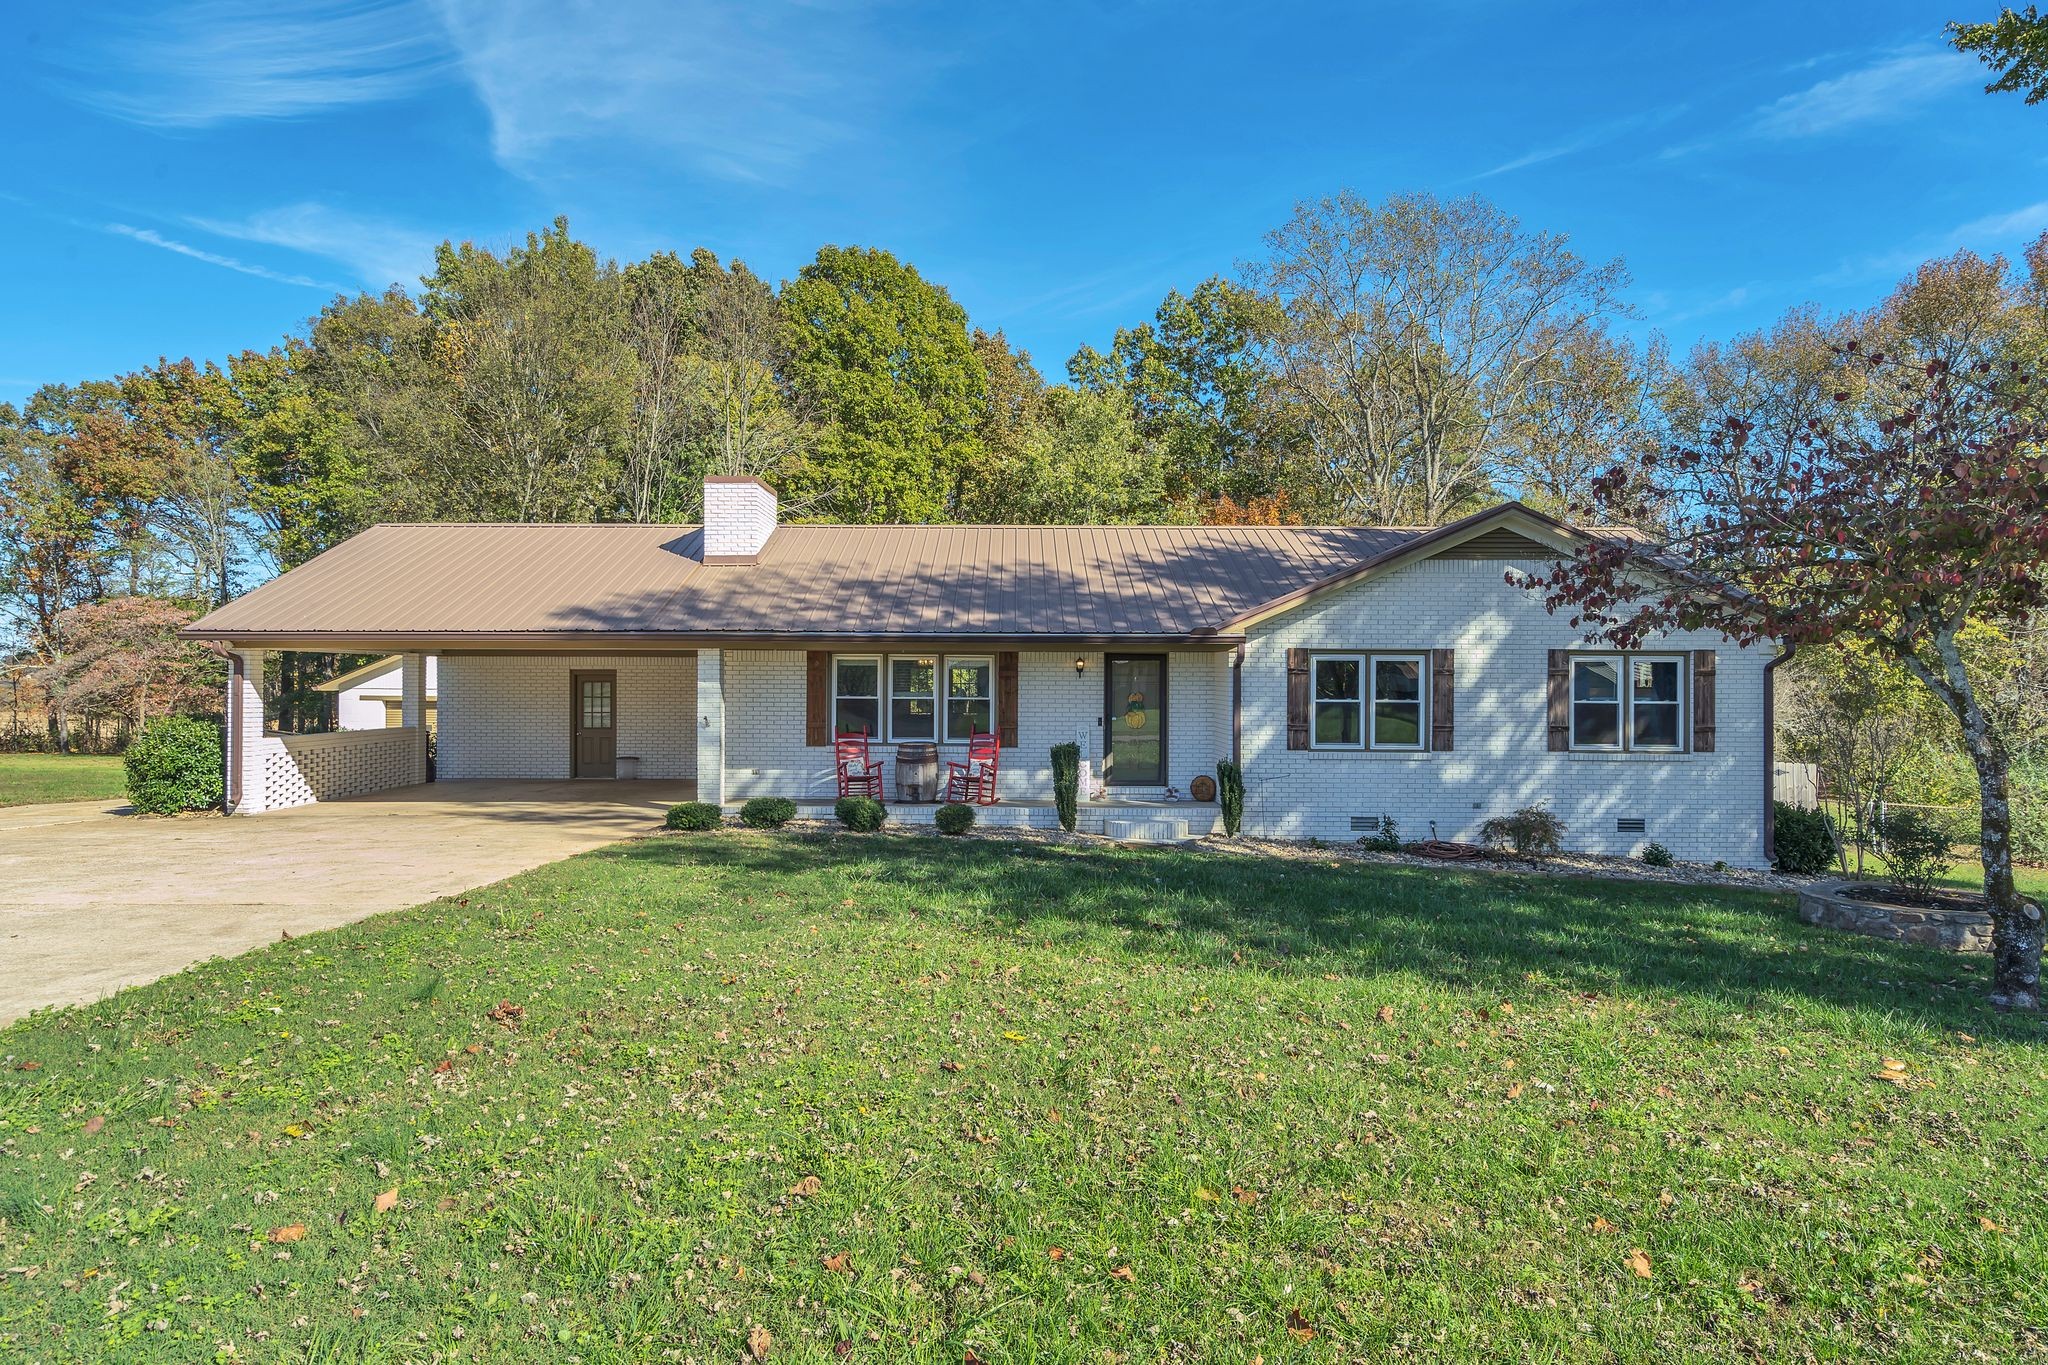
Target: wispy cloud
748 92
1596 136
1990 233
376 251
1891 87
196 65
151 237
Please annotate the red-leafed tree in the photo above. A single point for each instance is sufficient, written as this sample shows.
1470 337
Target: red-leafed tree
1912 503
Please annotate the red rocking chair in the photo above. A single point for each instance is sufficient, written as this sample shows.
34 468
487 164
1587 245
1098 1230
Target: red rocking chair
975 780
859 775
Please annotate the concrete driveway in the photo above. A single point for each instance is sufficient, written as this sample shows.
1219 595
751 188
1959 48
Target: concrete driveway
93 899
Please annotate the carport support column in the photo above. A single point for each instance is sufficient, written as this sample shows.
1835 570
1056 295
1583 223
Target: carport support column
711 726
244 767
412 711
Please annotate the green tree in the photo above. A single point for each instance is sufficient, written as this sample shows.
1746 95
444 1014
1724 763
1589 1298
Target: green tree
2015 45
880 359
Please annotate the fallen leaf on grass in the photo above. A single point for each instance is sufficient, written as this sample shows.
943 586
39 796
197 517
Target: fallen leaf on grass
443 1065
1515 1091
1208 1196
1600 1225
290 1232
949 1066
1988 1225
30 1066
94 1124
1386 1014
808 1186
970 1358
1243 1195
1057 1253
388 1200
1639 1262
758 1342
507 1013
838 1263
1299 1327
1124 1273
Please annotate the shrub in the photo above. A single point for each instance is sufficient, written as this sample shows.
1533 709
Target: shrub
1915 848
1656 855
954 818
1805 840
768 812
1230 793
694 815
1066 783
1532 832
861 814
1387 839
175 765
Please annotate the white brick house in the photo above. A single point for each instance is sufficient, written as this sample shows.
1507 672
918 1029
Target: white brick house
1353 673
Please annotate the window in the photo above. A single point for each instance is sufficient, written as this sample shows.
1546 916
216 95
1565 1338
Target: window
1397 701
970 698
913 699
1337 720
1628 701
1367 701
857 696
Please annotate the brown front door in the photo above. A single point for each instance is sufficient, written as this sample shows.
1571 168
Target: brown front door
593 724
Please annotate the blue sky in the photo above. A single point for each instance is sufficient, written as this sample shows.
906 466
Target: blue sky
191 179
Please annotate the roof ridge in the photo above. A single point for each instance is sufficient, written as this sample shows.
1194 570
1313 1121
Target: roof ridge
899 526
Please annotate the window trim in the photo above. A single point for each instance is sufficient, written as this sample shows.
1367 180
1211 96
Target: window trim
1421 660
1625 701
1367 690
885 684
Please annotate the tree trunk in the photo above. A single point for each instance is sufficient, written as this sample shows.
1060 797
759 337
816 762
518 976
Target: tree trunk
2015 922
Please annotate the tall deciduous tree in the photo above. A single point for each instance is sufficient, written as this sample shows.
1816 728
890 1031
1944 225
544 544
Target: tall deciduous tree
880 359
2015 45
1411 336
1902 515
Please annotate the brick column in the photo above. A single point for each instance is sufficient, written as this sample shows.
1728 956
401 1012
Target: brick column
244 770
711 726
412 712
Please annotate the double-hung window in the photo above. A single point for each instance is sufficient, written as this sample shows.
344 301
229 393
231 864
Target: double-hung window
913 698
857 695
1628 702
1367 701
970 699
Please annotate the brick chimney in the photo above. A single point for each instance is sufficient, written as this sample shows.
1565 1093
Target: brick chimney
739 516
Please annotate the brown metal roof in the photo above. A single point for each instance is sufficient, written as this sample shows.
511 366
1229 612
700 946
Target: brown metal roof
500 584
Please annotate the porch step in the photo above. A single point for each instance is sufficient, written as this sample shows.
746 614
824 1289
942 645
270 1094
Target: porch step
1145 829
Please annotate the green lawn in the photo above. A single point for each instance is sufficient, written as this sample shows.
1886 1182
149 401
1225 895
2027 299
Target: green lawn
1058 1104
30 779
2032 881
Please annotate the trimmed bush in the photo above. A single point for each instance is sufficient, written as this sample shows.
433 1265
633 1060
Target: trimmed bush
694 815
1066 784
861 814
1915 848
1230 795
1532 832
768 812
954 818
1656 855
175 765
1805 840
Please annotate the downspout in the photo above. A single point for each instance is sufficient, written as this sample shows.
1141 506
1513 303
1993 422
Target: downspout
1237 707
1771 752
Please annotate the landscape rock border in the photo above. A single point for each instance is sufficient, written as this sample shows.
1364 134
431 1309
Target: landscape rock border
1954 927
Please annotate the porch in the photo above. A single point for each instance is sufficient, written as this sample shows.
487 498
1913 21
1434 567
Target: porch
1117 818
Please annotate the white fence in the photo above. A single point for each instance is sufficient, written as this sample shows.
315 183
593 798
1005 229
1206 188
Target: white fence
1796 784
299 770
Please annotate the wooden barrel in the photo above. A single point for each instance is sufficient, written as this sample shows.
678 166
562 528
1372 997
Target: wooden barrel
917 772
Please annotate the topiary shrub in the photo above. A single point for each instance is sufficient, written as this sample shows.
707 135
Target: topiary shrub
1805 840
694 815
175 765
1066 783
1656 855
861 814
1915 848
1532 832
1230 795
768 812
954 818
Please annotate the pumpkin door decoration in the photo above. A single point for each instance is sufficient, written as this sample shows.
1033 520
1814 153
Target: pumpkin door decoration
1134 711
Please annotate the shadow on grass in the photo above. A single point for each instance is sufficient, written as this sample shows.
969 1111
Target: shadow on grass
1476 931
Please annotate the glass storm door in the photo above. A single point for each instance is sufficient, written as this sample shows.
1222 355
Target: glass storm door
1134 721
594 739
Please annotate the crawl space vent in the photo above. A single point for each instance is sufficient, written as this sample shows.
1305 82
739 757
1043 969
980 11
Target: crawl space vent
1631 824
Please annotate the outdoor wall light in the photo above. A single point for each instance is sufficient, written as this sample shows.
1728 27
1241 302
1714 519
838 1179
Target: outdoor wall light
1080 665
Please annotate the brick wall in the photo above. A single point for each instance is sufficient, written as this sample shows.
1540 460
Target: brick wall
766 754
508 716
299 770
1701 806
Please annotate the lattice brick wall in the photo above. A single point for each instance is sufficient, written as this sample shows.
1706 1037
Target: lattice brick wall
299 770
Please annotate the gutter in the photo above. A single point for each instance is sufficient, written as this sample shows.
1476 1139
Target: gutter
1771 751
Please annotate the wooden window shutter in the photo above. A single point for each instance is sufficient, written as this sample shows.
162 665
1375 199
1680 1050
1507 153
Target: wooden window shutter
1297 699
1443 664
1006 698
1560 700
818 698
1703 669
